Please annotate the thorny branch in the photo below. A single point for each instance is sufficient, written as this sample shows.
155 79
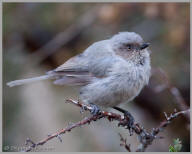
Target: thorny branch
124 143
145 138
62 131
174 91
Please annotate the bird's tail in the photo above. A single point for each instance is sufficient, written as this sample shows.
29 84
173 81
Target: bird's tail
24 81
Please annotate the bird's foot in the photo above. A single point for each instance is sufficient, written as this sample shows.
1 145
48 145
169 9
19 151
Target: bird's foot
83 108
95 109
129 119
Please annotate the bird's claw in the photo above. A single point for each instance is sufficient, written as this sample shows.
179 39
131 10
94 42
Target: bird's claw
95 109
130 118
130 123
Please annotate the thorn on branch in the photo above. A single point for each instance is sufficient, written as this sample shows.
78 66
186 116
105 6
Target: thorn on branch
159 137
124 143
166 116
59 137
28 140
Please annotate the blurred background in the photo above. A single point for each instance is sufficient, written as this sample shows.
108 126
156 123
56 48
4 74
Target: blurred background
38 37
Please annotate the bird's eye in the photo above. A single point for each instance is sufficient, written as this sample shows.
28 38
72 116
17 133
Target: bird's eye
128 46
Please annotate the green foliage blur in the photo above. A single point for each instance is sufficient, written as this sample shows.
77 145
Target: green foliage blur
177 145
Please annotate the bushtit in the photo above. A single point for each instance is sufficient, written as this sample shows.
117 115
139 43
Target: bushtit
110 72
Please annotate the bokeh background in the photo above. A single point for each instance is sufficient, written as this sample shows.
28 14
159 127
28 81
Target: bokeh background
38 37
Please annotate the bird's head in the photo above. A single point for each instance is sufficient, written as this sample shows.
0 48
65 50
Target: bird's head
130 46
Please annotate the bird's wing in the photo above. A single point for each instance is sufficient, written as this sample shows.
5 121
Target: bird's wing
93 63
77 63
73 72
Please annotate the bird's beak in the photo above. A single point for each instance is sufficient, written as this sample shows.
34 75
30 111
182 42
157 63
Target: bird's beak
144 45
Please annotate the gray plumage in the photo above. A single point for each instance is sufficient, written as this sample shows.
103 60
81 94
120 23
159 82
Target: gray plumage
109 72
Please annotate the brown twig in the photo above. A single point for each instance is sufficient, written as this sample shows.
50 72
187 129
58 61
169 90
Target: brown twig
174 91
62 131
145 138
124 143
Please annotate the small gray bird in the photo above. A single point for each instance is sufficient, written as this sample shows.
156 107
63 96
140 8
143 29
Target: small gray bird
109 72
